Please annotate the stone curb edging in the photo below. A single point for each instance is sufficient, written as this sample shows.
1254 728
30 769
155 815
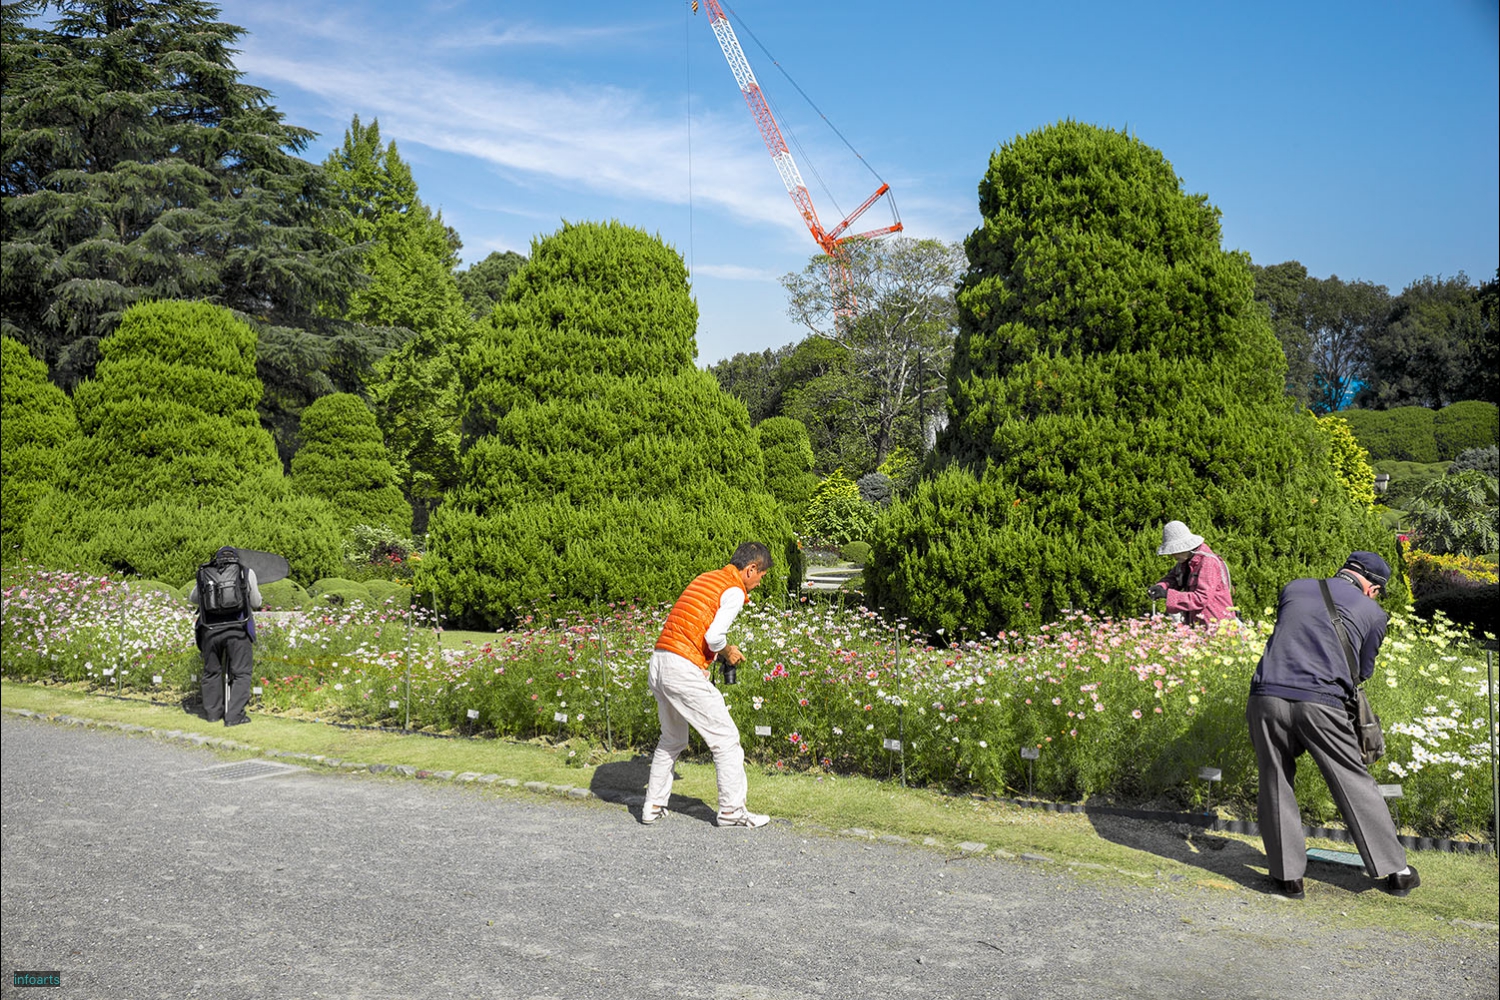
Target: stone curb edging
223 743
1247 827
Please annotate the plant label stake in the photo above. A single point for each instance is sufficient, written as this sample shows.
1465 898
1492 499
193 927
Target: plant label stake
1392 796
892 745
1210 775
609 733
395 704
472 713
900 708
1029 754
1489 704
156 678
762 730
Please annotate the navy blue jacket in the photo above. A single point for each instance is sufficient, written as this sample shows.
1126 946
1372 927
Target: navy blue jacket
1304 660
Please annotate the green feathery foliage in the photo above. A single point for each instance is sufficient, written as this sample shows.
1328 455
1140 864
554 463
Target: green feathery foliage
172 462
344 461
37 428
837 514
1112 372
603 465
1350 462
789 463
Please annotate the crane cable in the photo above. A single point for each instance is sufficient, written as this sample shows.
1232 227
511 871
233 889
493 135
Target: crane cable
687 52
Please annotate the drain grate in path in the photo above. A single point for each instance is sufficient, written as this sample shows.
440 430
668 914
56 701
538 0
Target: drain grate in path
245 770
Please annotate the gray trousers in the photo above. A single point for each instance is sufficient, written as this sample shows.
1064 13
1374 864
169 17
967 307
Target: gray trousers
1281 730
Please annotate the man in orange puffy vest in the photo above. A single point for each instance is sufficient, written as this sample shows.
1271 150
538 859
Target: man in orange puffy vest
692 638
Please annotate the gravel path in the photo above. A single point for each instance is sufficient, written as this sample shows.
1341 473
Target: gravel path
129 871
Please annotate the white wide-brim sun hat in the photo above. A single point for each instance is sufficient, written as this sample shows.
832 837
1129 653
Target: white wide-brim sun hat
1176 537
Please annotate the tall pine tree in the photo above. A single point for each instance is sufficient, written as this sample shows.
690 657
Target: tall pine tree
135 164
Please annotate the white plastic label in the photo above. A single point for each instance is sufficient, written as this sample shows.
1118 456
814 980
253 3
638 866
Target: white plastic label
1210 773
762 730
559 716
256 690
893 745
1031 753
473 713
1390 791
395 704
156 678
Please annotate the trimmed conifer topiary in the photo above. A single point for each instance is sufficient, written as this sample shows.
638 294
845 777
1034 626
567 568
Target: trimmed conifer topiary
344 461
788 454
1350 462
603 464
172 462
1111 373
37 428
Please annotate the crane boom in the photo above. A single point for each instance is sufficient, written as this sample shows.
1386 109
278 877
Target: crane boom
829 240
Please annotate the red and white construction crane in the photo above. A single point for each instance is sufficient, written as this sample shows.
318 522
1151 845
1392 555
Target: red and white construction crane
830 240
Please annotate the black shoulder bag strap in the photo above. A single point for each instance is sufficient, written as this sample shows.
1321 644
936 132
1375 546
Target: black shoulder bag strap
1333 616
1367 729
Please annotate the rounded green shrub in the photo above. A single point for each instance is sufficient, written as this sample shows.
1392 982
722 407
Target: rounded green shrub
1458 427
283 595
602 464
876 488
157 587
837 514
37 429
1403 434
387 591
1111 372
857 553
343 460
1350 462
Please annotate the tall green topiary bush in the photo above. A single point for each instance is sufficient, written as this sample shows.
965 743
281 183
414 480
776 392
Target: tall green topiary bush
1458 427
344 461
789 459
1111 372
172 462
37 427
602 465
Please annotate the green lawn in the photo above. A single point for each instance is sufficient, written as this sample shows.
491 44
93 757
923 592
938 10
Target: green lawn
1108 849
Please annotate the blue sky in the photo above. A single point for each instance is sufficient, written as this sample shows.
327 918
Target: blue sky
1358 138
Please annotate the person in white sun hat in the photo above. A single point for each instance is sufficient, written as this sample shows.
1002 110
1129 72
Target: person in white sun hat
1197 587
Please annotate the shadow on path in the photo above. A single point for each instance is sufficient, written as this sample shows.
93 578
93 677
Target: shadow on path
1224 857
625 781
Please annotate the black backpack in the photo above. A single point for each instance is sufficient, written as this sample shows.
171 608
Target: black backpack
221 590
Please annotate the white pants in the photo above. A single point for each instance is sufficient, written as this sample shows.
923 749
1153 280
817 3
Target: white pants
685 697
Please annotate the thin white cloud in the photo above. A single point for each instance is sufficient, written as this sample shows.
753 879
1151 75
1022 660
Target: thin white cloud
602 138
531 35
733 272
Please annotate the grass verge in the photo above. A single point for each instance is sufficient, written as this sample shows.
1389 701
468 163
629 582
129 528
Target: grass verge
1159 857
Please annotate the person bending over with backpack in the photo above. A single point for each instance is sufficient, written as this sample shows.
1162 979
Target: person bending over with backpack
226 594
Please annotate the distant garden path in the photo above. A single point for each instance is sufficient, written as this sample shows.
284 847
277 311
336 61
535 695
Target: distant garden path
131 873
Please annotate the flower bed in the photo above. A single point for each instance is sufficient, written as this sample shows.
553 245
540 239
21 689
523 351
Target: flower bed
1129 709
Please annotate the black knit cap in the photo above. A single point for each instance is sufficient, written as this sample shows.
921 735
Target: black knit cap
1370 566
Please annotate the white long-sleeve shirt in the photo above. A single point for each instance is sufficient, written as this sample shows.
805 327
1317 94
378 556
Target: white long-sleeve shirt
730 604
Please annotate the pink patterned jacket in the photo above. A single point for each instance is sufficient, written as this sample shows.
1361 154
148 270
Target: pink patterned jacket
1199 589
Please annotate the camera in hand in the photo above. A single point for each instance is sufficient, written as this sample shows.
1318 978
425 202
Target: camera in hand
729 671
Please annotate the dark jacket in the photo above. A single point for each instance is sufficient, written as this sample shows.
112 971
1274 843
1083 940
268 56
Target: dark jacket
1304 659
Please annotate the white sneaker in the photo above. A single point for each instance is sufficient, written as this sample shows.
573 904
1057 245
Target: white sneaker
743 817
650 814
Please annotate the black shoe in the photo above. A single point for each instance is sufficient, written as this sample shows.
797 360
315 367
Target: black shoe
1400 885
237 722
1291 888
